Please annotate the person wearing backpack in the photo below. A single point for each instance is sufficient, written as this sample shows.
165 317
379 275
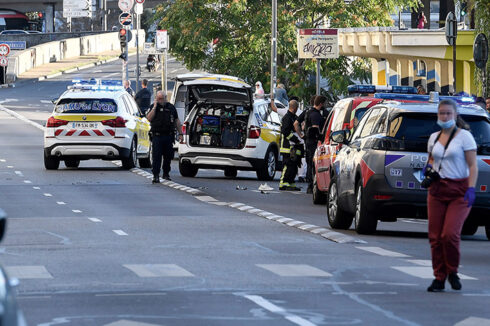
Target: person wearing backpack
164 123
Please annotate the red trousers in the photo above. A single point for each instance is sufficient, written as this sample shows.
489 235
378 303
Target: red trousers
447 212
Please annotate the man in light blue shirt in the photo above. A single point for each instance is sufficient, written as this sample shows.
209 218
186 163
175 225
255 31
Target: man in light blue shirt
281 94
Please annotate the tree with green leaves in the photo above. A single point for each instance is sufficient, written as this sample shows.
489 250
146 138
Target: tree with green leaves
234 37
482 25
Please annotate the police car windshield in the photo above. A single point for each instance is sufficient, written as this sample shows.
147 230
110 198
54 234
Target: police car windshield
412 131
85 106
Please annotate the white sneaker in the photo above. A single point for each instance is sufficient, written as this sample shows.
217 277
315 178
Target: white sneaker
265 187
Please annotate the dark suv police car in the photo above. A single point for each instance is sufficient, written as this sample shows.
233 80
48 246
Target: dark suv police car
378 171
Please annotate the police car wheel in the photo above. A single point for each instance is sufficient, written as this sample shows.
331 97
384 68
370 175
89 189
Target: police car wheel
319 197
337 218
130 162
72 163
267 170
51 162
187 170
147 161
364 221
470 226
231 172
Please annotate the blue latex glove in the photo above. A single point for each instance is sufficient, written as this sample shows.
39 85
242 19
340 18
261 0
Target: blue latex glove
469 196
428 166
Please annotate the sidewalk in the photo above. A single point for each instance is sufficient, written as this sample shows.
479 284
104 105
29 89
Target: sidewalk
69 65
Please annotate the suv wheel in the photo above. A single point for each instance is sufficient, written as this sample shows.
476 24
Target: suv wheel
147 161
267 171
131 161
470 226
187 170
231 172
51 162
364 221
337 218
319 198
72 163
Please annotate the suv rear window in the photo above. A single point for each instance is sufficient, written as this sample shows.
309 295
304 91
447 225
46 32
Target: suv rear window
84 106
221 92
411 131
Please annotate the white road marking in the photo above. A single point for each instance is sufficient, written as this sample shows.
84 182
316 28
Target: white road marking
2 160
383 252
158 270
10 166
425 272
474 321
47 195
205 198
27 181
76 211
266 304
129 294
37 188
28 272
119 232
93 219
294 270
46 102
18 173
60 203
124 322
420 262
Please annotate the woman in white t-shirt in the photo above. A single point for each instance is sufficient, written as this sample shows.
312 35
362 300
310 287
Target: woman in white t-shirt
450 197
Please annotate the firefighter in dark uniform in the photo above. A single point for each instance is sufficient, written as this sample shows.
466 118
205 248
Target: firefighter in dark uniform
164 123
291 149
314 119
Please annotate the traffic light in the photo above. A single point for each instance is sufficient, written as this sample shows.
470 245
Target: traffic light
464 8
123 37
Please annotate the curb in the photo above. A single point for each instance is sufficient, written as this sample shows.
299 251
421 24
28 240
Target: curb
89 65
7 85
300 225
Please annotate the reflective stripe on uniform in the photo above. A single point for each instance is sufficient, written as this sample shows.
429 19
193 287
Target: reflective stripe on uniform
285 150
290 136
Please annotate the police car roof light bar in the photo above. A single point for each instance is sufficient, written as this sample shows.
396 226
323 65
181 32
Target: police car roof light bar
370 89
96 84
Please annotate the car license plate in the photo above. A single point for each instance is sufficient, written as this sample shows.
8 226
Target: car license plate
85 125
396 172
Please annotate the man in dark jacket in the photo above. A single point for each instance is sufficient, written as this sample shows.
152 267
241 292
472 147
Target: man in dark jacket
143 97
164 123
291 153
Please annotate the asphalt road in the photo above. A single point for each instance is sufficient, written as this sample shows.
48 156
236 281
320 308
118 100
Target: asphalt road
100 245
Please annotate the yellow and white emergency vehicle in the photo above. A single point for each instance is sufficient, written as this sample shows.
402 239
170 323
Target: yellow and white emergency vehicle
96 119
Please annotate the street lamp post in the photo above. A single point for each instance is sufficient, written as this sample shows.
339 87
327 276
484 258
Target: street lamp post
273 47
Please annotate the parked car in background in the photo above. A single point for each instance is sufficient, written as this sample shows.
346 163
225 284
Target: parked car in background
378 171
13 32
10 314
225 129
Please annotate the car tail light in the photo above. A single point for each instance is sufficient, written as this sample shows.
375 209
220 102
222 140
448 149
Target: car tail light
118 122
184 132
254 132
53 122
382 197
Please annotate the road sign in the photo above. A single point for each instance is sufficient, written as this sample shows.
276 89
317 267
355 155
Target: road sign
451 28
162 39
318 43
138 8
125 19
77 8
480 51
125 5
140 1
15 45
4 61
4 50
149 48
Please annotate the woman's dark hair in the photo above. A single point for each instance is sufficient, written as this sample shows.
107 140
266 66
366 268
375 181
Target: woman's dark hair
460 123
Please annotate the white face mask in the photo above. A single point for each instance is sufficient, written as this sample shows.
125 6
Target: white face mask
446 124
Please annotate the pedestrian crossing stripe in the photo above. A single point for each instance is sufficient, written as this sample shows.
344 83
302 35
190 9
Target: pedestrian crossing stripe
425 272
158 270
294 270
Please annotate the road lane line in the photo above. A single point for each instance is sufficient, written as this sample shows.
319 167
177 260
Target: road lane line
10 167
27 181
2 160
383 252
266 304
47 194
36 188
76 211
93 219
60 203
119 232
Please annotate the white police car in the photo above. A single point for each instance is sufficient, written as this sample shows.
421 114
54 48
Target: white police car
96 119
